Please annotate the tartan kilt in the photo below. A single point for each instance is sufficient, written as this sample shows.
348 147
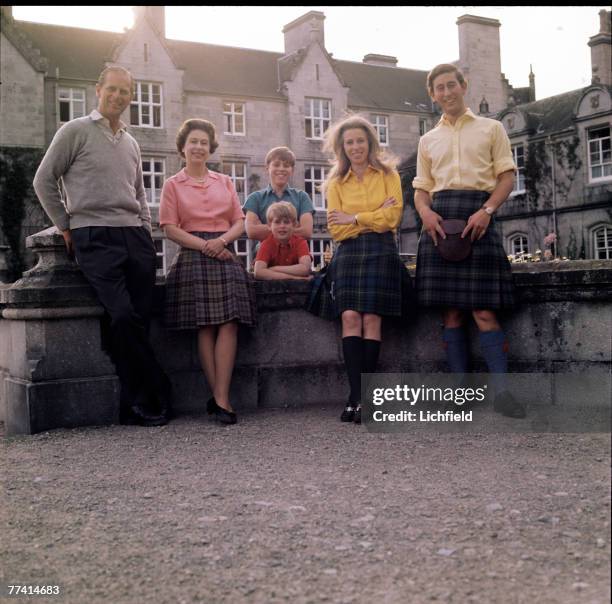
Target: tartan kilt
483 281
203 291
366 275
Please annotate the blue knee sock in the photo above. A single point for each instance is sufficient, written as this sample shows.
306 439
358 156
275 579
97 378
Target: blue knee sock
494 348
455 343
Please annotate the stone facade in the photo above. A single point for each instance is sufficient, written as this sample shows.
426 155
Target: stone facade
272 90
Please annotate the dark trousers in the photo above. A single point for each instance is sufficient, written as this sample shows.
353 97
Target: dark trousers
119 263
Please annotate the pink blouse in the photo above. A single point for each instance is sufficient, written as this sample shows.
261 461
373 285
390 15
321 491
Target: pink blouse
199 206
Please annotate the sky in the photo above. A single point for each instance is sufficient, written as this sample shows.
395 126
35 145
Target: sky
552 39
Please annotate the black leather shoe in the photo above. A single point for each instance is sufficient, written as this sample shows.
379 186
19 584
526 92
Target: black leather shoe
224 416
507 405
357 418
348 415
137 416
211 405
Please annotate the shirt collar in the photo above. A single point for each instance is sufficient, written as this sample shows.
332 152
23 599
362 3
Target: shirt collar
351 173
467 115
96 116
270 190
182 176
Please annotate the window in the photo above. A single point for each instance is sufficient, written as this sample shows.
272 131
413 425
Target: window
600 160
317 115
381 125
317 249
518 244
71 104
313 179
233 118
160 257
602 242
242 248
237 172
146 107
518 154
422 126
153 174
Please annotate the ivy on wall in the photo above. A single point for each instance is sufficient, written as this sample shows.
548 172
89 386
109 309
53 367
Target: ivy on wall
17 197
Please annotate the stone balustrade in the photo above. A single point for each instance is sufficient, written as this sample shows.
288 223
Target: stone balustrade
54 374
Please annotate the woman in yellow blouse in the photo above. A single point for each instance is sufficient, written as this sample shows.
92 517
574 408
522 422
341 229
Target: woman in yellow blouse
364 201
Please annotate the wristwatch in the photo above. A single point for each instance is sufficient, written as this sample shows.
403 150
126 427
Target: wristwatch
488 210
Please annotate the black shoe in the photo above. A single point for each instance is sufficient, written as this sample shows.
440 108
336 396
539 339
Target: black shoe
357 418
211 405
507 405
137 416
224 416
348 415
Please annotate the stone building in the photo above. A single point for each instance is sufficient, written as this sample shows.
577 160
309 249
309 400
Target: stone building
259 99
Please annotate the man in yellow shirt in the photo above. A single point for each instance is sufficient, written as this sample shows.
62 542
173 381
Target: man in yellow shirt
465 171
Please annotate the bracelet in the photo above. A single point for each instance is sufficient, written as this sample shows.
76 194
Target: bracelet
224 240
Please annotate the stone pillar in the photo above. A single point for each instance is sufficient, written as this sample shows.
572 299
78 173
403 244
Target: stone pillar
53 372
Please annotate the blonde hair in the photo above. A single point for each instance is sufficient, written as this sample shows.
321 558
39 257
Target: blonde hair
334 144
280 210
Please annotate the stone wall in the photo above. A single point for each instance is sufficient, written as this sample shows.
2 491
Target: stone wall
54 374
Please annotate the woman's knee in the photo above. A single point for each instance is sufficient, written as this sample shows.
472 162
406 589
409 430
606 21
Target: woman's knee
485 319
371 321
351 319
453 317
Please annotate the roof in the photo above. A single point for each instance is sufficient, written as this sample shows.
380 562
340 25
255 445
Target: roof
390 88
78 53
552 114
81 54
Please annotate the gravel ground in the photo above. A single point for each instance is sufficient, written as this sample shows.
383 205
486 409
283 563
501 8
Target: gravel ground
293 506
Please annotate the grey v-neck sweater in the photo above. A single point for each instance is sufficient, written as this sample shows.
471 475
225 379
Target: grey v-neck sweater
102 179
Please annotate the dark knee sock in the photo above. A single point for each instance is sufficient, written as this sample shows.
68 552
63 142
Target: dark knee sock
371 351
352 348
494 349
455 342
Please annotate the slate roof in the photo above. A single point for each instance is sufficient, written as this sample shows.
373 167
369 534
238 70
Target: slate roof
80 54
552 114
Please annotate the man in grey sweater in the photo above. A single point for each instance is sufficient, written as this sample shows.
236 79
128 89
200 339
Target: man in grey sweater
106 224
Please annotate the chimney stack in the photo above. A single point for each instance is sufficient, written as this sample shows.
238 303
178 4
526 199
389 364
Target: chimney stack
601 50
304 30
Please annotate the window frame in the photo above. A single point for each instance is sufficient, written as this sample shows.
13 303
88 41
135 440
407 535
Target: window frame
309 115
512 239
151 104
607 229
233 162
247 254
519 172
71 100
377 126
322 242
160 271
231 114
608 164
153 193
316 194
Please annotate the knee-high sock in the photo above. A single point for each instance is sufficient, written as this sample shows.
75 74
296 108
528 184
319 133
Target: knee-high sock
455 342
352 348
371 351
494 348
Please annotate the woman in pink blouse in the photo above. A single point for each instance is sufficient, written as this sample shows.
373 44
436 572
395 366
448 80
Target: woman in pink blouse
207 288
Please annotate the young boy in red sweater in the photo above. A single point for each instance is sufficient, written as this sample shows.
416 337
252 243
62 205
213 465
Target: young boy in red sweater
283 255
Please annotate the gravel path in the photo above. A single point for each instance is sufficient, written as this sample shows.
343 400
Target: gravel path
293 506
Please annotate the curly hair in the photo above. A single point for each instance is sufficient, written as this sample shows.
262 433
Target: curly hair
196 124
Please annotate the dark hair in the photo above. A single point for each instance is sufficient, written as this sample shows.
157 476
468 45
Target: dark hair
196 124
282 153
118 69
444 68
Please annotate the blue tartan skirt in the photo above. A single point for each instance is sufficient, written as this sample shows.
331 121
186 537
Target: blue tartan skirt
483 281
365 275
203 291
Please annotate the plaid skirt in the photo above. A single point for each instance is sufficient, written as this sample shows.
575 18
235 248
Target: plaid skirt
483 281
365 275
203 291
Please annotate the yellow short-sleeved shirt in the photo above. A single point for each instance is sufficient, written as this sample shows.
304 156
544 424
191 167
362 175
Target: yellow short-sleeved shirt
470 155
364 198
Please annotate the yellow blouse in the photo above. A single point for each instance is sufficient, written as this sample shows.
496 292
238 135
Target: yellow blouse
364 198
469 155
